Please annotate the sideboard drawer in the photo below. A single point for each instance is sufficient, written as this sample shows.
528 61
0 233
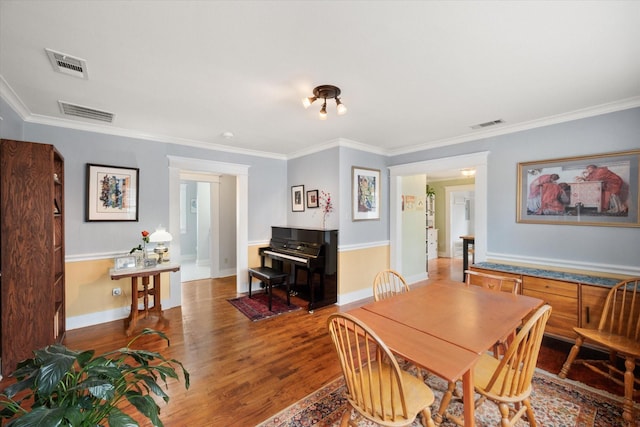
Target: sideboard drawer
562 297
550 286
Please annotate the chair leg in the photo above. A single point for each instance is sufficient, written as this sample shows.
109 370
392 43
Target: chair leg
346 418
530 416
627 415
444 403
504 412
427 421
572 356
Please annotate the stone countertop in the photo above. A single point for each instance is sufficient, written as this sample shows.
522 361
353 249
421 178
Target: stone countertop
550 274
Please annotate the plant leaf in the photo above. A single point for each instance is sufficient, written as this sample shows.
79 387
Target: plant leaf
41 417
117 418
147 406
55 366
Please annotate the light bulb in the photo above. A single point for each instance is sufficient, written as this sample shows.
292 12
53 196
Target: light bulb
323 111
340 106
306 102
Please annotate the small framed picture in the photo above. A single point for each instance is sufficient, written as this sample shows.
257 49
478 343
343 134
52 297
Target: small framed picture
124 262
297 198
312 199
112 193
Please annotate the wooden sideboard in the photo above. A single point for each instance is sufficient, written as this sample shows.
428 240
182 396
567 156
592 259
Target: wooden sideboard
577 299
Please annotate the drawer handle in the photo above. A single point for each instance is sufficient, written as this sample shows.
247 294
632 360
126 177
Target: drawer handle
588 315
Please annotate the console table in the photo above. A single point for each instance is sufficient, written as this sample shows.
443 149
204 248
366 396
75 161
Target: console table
144 292
577 298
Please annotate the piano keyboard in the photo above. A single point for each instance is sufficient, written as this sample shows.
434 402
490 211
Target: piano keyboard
291 257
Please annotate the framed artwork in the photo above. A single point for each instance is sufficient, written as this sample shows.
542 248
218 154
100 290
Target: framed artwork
312 199
365 193
297 198
112 193
588 190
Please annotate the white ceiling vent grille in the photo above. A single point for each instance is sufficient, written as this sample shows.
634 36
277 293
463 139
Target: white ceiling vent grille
67 64
487 124
85 112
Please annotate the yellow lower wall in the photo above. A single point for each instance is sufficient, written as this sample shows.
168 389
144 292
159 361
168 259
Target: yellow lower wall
88 288
357 268
88 285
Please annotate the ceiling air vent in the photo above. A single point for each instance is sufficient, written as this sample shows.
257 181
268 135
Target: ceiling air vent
85 112
67 64
487 124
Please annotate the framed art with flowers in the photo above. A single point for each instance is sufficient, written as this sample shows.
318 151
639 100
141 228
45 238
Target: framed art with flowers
112 193
365 193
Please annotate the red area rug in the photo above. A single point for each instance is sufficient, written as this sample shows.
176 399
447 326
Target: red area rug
257 307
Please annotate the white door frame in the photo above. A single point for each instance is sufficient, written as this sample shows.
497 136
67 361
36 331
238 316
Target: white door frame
477 161
179 165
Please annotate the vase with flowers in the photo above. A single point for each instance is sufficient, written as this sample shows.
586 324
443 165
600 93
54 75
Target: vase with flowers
141 249
326 206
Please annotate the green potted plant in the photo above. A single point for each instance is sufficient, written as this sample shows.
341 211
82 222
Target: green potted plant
62 387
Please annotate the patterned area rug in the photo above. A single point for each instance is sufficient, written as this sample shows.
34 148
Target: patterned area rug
257 307
556 403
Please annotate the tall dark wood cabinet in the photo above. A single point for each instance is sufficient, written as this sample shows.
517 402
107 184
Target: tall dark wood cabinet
32 276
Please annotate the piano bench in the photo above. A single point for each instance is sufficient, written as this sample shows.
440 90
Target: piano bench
269 277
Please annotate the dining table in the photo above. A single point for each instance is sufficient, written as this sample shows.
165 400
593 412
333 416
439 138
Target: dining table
445 327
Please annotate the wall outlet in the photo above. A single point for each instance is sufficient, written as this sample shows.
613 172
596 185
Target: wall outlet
116 292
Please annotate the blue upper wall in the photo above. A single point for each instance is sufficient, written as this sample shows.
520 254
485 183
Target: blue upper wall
270 182
589 247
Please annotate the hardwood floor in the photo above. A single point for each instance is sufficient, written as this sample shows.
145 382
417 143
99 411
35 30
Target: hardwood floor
241 371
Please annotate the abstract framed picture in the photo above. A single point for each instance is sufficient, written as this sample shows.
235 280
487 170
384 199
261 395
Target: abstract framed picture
312 199
112 193
598 190
297 198
365 193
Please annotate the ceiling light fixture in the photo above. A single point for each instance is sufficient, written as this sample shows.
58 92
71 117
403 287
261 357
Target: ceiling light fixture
468 172
323 92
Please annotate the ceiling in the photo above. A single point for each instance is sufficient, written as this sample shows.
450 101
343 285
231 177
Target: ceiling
413 74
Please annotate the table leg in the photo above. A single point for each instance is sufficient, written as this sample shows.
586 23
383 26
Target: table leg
465 258
145 296
468 396
133 315
157 300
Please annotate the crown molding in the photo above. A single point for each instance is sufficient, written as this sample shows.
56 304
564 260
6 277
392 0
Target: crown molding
9 95
611 107
13 99
338 142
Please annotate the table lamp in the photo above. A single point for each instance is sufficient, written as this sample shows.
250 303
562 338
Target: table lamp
161 236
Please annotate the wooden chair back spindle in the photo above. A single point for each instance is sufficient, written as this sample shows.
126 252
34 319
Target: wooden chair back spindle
388 283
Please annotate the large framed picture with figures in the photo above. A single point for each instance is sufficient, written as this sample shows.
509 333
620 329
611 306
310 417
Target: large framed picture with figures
601 189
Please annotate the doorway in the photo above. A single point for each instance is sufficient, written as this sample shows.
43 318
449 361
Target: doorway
477 161
460 200
181 165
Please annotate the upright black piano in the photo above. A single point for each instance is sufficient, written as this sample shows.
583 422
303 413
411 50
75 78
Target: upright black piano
313 252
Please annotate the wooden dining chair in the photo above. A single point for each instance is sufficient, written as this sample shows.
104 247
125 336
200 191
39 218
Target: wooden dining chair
388 283
507 381
376 386
495 282
619 333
